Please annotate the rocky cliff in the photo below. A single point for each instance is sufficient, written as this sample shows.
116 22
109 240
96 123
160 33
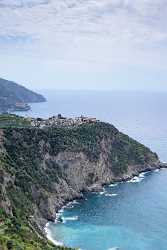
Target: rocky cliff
41 169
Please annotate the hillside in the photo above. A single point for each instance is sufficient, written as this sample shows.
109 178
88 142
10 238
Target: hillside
12 93
48 167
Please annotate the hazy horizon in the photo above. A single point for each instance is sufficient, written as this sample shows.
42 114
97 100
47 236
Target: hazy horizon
44 90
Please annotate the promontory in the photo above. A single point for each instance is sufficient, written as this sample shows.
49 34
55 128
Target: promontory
46 163
15 97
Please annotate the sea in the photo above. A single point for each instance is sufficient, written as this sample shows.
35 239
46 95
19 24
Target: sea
129 215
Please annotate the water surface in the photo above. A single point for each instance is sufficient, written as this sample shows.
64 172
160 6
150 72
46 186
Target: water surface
135 219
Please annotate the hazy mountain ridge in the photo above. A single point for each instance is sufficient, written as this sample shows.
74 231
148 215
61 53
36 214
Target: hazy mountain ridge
12 93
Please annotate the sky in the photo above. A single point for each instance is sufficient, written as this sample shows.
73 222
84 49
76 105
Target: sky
84 44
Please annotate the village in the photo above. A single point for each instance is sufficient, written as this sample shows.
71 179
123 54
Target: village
59 120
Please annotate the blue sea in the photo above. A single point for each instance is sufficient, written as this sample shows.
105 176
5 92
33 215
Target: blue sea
127 216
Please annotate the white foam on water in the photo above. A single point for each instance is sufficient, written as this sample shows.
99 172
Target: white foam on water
156 170
111 195
75 202
135 179
114 248
113 185
49 236
71 204
138 178
73 218
103 192
142 175
59 214
61 211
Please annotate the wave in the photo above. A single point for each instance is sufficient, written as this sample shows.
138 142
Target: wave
75 202
111 195
103 192
138 178
59 218
135 179
142 175
156 170
71 204
61 211
73 218
113 185
114 248
59 214
49 236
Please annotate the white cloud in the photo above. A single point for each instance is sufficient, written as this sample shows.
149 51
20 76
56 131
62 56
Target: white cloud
114 20
86 32
21 3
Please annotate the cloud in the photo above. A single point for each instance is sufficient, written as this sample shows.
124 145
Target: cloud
21 3
101 31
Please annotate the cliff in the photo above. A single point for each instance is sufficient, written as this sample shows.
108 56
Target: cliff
41 169
12 93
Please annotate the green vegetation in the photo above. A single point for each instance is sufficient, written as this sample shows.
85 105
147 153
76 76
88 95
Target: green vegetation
18 235
13 121
25 160
30 145
24 168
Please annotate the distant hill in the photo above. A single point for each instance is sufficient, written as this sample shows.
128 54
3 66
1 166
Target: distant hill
14 96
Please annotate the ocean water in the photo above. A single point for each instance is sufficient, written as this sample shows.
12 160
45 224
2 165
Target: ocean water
131 215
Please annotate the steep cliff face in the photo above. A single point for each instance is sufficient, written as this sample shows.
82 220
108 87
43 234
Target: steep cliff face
41 169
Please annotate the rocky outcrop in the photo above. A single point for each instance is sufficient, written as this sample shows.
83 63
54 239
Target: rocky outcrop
80 175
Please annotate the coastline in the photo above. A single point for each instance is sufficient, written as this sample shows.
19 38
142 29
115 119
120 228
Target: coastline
58 215
49 236
133 179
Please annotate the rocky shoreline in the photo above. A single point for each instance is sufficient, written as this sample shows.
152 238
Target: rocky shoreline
133 171
97 188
